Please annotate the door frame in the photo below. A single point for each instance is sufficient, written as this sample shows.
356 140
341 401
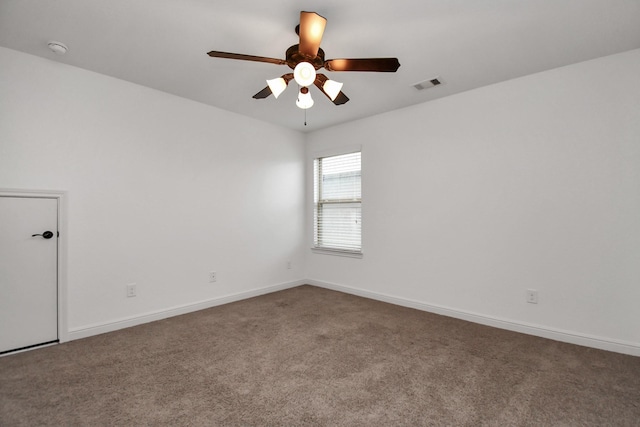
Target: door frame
61 197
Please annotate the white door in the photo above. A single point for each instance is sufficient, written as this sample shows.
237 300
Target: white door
28 272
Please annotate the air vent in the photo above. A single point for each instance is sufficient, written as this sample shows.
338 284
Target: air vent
428 83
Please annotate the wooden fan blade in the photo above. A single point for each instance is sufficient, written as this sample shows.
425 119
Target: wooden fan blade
216 54
319 82
385 65
341 99
311 31
287 77
263 93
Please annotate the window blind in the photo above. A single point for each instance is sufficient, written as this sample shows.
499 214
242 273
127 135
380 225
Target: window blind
337 203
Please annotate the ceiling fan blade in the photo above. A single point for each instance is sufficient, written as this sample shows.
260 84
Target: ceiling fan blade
216 54
341 99
311 30
320 81
267 91
263 93
385 65
287 77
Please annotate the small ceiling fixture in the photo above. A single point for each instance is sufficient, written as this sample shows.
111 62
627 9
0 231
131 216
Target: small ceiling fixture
306 58
57 47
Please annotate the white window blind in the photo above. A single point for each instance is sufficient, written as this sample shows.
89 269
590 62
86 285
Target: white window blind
337 203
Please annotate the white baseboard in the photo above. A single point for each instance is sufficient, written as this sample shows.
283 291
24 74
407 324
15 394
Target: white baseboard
101 328
617 346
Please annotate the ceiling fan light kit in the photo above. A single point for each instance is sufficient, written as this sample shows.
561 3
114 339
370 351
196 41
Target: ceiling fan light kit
306 58
277 86
304 74
332 88
304 100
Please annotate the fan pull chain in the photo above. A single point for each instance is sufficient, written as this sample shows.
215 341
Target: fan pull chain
305 117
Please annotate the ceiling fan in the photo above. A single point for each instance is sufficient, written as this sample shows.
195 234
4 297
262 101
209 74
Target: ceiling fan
306 58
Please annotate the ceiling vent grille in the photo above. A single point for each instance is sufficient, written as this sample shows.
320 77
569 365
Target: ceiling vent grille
428 83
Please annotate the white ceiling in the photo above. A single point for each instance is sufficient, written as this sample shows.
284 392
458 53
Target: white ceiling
162 44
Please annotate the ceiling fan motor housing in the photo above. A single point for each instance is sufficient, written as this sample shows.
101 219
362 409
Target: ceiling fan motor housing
294 57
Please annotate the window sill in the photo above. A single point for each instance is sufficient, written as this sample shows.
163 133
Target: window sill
336 252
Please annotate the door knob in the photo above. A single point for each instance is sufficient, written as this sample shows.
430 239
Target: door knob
45 235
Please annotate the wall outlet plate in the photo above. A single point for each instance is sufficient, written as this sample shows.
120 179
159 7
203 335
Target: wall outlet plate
131 290
213 276
532 296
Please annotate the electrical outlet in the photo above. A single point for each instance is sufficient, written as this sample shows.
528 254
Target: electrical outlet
532 296
131 290
288 265
213 276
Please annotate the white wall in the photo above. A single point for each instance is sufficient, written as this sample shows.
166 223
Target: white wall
531 183
161 190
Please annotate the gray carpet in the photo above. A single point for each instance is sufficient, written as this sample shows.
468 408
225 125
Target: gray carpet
310 356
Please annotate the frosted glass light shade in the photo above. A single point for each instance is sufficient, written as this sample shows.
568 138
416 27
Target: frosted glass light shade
304 100
304 74
332 88
277 86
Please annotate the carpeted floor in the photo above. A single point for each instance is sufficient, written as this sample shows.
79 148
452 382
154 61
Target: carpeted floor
310 356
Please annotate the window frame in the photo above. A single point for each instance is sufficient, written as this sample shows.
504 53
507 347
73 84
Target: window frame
328 250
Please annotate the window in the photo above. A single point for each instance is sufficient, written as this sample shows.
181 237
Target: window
337 214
